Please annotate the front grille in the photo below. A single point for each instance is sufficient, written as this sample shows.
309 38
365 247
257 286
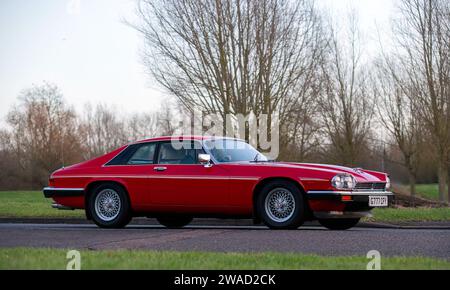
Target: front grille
371 186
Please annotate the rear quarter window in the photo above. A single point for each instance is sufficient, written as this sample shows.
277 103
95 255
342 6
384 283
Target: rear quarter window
135 154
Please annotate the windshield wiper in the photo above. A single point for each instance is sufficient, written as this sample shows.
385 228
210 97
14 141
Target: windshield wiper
256 159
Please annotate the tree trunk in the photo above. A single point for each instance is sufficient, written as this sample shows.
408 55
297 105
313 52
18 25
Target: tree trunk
448 185
442 175
412 183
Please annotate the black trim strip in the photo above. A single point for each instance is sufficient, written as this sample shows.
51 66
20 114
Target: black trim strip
355 198
50 192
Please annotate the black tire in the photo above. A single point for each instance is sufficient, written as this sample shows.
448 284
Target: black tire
296 216
123 215
339 224
174 222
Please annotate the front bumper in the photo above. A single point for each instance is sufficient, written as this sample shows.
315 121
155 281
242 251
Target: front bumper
343 204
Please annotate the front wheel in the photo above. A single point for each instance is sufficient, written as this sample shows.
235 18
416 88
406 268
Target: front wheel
280 205
174 222
339 224
109 206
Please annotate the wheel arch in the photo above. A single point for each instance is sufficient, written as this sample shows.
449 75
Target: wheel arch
92 185
259 186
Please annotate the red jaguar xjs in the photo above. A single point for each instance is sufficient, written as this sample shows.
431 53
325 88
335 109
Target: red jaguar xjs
214 177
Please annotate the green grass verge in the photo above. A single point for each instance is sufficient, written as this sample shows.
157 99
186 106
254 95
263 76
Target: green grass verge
31 204
429 191
410 214
25 258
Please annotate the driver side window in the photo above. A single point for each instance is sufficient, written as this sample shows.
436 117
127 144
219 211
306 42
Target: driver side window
170 155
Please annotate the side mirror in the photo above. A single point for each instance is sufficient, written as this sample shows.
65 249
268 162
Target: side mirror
205 159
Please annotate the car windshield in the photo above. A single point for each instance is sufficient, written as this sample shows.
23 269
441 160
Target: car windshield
230 150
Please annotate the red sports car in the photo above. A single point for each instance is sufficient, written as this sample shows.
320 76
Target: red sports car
214 177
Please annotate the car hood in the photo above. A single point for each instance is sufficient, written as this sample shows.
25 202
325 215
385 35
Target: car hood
361 175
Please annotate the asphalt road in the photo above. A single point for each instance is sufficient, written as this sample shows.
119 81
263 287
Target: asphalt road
357 241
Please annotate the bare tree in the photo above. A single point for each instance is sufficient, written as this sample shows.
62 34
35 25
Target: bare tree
301 138
11 175
166 119
141 126
397 112
44 133
233 56
346 104
423 34
5 140
102 130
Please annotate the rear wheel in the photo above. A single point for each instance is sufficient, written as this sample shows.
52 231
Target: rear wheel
280 205
109 206
174 222
339 224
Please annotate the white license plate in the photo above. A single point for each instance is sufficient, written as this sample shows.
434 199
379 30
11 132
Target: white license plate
378 201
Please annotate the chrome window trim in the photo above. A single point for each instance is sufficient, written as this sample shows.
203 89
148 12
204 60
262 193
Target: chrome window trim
201 142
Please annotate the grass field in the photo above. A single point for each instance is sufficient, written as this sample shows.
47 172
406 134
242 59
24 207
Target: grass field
32 204
410 214
29 204
26 258
429 191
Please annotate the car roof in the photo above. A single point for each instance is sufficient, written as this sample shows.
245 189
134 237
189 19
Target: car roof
184 138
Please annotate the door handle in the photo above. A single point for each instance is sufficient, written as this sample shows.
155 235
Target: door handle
159 169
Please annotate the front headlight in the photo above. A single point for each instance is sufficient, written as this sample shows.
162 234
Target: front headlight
388 183
343 181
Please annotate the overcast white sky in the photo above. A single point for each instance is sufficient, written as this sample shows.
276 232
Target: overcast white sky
93 57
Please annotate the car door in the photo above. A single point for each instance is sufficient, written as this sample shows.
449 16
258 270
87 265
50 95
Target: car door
132 166
180 182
